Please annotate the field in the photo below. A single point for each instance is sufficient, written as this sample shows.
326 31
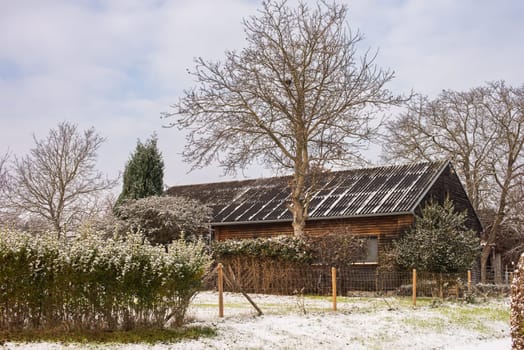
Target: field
298 322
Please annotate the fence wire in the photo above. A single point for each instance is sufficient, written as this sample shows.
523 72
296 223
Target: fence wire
350 281
281 289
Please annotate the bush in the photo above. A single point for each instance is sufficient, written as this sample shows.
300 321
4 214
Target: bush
438 242
491 290
332 249
164 219
517 307
282 248
94 283
338 248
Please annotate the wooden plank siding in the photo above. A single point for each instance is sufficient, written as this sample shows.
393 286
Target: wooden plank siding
363 226
449 185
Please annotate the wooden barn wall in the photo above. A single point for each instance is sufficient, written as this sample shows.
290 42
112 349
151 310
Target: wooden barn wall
448 184
371 226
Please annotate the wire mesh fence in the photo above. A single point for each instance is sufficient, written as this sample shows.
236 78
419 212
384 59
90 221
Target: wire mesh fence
281 289
350 281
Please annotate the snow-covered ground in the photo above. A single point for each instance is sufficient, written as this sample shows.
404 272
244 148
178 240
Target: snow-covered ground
359 323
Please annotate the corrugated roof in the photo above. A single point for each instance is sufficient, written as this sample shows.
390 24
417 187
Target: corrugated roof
357 192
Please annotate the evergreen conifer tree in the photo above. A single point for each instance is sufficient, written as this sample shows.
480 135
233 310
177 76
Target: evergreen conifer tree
144 173
439 241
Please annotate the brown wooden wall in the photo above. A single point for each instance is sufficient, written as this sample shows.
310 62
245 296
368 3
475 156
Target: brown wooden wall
374 226
449 185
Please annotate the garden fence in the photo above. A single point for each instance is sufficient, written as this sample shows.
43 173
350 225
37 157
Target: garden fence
350 281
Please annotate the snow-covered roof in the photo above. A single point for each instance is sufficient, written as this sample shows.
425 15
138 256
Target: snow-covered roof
386 190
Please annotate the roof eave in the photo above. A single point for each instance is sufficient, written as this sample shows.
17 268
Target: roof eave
230 223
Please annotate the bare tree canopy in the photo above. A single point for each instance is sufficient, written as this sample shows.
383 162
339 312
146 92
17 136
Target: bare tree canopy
298 98
482 131
5 216
57 181
3 174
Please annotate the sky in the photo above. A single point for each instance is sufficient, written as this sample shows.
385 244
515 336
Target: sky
116 65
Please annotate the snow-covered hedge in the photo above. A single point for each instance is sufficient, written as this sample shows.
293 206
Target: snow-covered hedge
517 307
282 248
93 283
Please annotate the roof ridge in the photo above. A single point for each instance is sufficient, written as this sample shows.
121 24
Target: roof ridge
372 167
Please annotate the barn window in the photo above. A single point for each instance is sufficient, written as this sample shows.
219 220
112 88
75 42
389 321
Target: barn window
371 256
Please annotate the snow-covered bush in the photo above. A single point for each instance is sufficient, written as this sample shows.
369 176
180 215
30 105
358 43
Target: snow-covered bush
336 248
517 307
282 248
438 242
164 219
93 283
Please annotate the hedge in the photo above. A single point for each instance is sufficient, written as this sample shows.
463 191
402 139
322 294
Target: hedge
94 283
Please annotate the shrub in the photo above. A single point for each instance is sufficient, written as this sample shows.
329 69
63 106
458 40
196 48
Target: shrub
164 219
332 249
517 307
492 290
94 283
439 241
338 248
283 248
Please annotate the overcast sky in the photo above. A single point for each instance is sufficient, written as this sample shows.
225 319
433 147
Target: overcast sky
117 64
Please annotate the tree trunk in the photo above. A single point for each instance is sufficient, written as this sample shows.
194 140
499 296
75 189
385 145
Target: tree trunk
492 234
484 257
298 205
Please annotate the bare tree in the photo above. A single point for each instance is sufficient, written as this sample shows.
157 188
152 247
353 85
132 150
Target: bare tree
3 173
482 131
57 181
448 127
515 221
505 107
4 214
298 98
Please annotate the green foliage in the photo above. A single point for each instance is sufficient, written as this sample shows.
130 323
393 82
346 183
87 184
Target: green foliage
517 306
94 283
144 172
439 241
333 249
164 219
283 248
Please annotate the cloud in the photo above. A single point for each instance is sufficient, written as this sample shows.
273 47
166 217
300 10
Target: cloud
117 65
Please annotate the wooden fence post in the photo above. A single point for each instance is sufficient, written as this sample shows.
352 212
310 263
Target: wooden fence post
414 287
469 281
220 284
334 287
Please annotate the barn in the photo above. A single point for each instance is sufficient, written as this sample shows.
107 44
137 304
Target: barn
376 203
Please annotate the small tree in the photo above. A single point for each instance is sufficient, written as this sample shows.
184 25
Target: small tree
164 219
144 172
439 241
339 248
